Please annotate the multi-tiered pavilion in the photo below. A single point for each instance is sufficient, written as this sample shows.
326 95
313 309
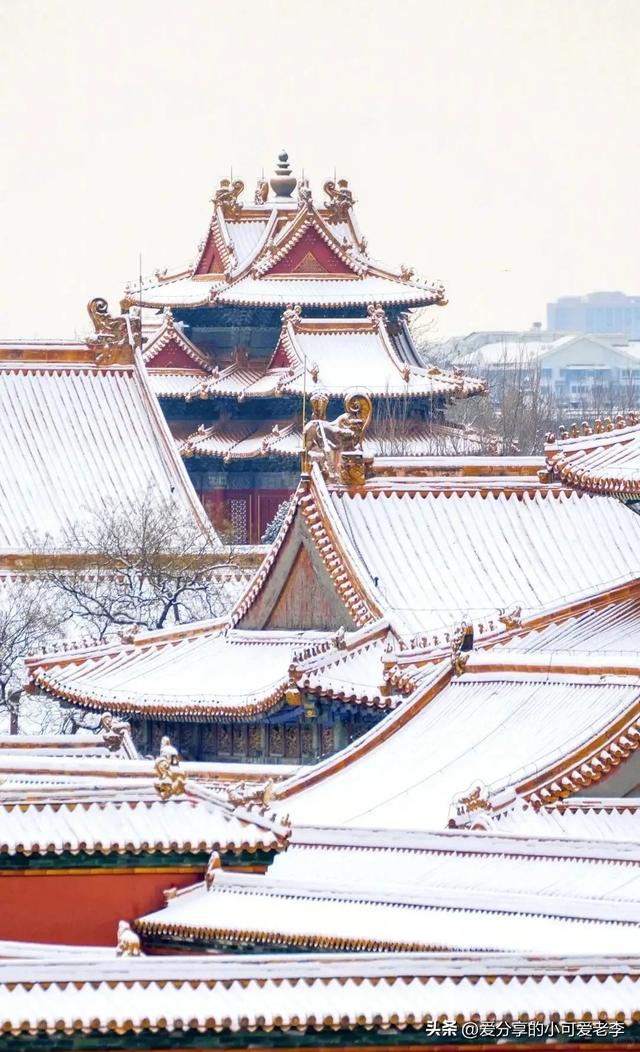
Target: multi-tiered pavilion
284 300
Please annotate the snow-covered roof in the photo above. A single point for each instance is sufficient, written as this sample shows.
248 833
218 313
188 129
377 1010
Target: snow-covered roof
199 672
514 727
80 805
314 994
144 826
251 291
250 257
612 627
246 439
338 889
425 550
82 744
592 818
74 437
602 459
217 672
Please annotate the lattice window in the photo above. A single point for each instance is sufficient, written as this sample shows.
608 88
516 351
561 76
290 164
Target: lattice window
239 520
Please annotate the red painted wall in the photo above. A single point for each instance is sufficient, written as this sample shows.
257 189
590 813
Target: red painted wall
80 908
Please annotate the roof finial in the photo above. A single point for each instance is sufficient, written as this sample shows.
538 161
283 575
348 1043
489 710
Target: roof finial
283 183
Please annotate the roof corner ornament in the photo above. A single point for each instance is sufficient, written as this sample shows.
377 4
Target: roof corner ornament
511 618
292 316
254 797
340 199
441 295
128 944
377 315
170 779
226 197
115 339
461 647
336 445
407 273
261 193
213 865
475 801
282 182
113 731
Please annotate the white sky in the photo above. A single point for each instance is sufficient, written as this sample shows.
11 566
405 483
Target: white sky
492 144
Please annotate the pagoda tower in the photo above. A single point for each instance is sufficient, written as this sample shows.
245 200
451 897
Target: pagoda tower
284 301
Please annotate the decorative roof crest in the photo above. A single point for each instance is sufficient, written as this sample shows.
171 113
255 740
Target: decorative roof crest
511 618
115 339
226 197
337 444
461 646
340 199
305 196
261 193
475 800
282 182
170 779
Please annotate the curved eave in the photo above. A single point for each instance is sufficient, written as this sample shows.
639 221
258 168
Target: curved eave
187 708
182 847
267 937
573 474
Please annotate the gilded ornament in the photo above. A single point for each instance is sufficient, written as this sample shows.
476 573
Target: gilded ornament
340 199
475 800
511 618
262 192
305 197
170 779
226 197
128 942
336 445
115 339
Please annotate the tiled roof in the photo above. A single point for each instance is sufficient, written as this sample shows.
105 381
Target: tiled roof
604 460
145 826
171 673
592 818
54 805
75 437
430 556
212 671
429 896
310 994
322 292
251 438
501 724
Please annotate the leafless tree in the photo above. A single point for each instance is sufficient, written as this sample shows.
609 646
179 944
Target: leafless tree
140 564
30 622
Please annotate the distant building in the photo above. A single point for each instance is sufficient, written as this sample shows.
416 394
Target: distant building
610 312
580 370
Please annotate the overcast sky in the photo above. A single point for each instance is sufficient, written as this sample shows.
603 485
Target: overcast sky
492 144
